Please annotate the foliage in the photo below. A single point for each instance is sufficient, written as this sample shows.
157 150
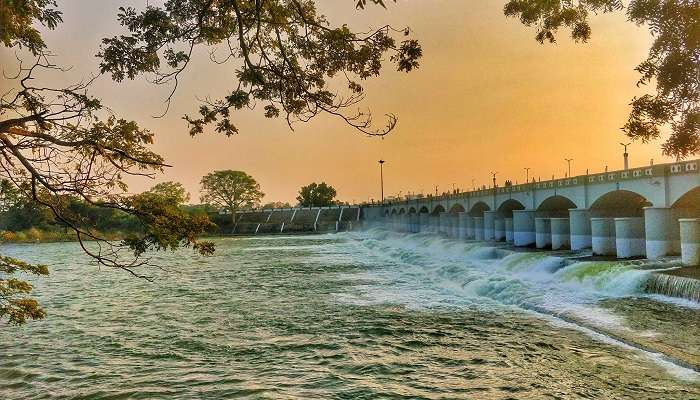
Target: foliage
673 62
287 56
277 204
171 190
231 190
15 306
17 18
316 195
61 148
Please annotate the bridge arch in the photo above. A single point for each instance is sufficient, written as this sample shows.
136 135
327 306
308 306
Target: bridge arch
688 204
412 210
620 203
402 211
457 208
507 207
424 210
556 206
478 209
438 209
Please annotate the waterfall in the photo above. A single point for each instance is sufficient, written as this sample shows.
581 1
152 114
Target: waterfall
674 286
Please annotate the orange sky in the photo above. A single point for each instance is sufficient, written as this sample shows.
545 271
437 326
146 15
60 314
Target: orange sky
487 97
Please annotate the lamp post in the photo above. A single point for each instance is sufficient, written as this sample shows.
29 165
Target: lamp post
626 155
493 176
381 176
527 175
568 162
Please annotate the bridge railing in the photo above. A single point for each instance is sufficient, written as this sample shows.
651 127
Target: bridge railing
646 172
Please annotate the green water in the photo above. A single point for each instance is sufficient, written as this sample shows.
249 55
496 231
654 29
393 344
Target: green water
348 316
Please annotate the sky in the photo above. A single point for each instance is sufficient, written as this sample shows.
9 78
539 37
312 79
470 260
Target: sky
486 98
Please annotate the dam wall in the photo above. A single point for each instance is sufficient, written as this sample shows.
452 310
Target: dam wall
644 212
290 220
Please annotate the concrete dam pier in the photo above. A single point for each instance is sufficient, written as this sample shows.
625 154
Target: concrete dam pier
648 212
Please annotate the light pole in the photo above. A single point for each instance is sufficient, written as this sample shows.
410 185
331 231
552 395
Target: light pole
381 176
527 174
568 162
493 175
626 155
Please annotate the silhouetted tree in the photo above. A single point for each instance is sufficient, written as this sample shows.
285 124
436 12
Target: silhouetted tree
231 190
171 190
316 195
277 204
287 57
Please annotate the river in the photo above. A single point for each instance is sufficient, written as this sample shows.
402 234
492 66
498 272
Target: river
357 315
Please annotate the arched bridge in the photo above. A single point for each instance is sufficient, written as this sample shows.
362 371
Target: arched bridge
630 213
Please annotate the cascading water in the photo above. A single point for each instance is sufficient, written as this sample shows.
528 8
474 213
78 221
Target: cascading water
426 271
674 286
351 315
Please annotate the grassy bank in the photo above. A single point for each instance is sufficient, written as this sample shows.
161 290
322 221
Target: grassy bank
34 235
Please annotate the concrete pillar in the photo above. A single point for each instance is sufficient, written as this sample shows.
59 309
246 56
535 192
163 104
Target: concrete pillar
478 228
470 228
509 230
543 232
523 227
462 224
489 225
413 223
629 237
603 236
434 224
499 229
690 241
561 238
444 221
454 223
423 222
580 228
663 234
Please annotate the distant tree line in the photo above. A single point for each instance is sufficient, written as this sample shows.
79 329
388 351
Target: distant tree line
223 193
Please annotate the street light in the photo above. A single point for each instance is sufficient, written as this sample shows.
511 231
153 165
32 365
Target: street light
527 174
568 161
626 155
381 176
493 175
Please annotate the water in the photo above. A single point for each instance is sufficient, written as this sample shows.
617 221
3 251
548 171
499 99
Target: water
352 315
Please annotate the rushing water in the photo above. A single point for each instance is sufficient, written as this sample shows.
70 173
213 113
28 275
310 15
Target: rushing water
353 315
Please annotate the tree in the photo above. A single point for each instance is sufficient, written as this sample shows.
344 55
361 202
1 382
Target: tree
287 56
231 190
277 204
673 63
316 195
171 190
58 144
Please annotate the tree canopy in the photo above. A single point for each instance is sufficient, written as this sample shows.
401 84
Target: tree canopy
173 191
316 195
673 63
231 190
286 56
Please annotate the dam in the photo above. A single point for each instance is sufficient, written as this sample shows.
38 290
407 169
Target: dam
648 212
293 220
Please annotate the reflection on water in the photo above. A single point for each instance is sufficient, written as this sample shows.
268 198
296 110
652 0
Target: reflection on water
353 315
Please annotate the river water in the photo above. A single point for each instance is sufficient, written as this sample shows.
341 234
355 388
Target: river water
348 316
